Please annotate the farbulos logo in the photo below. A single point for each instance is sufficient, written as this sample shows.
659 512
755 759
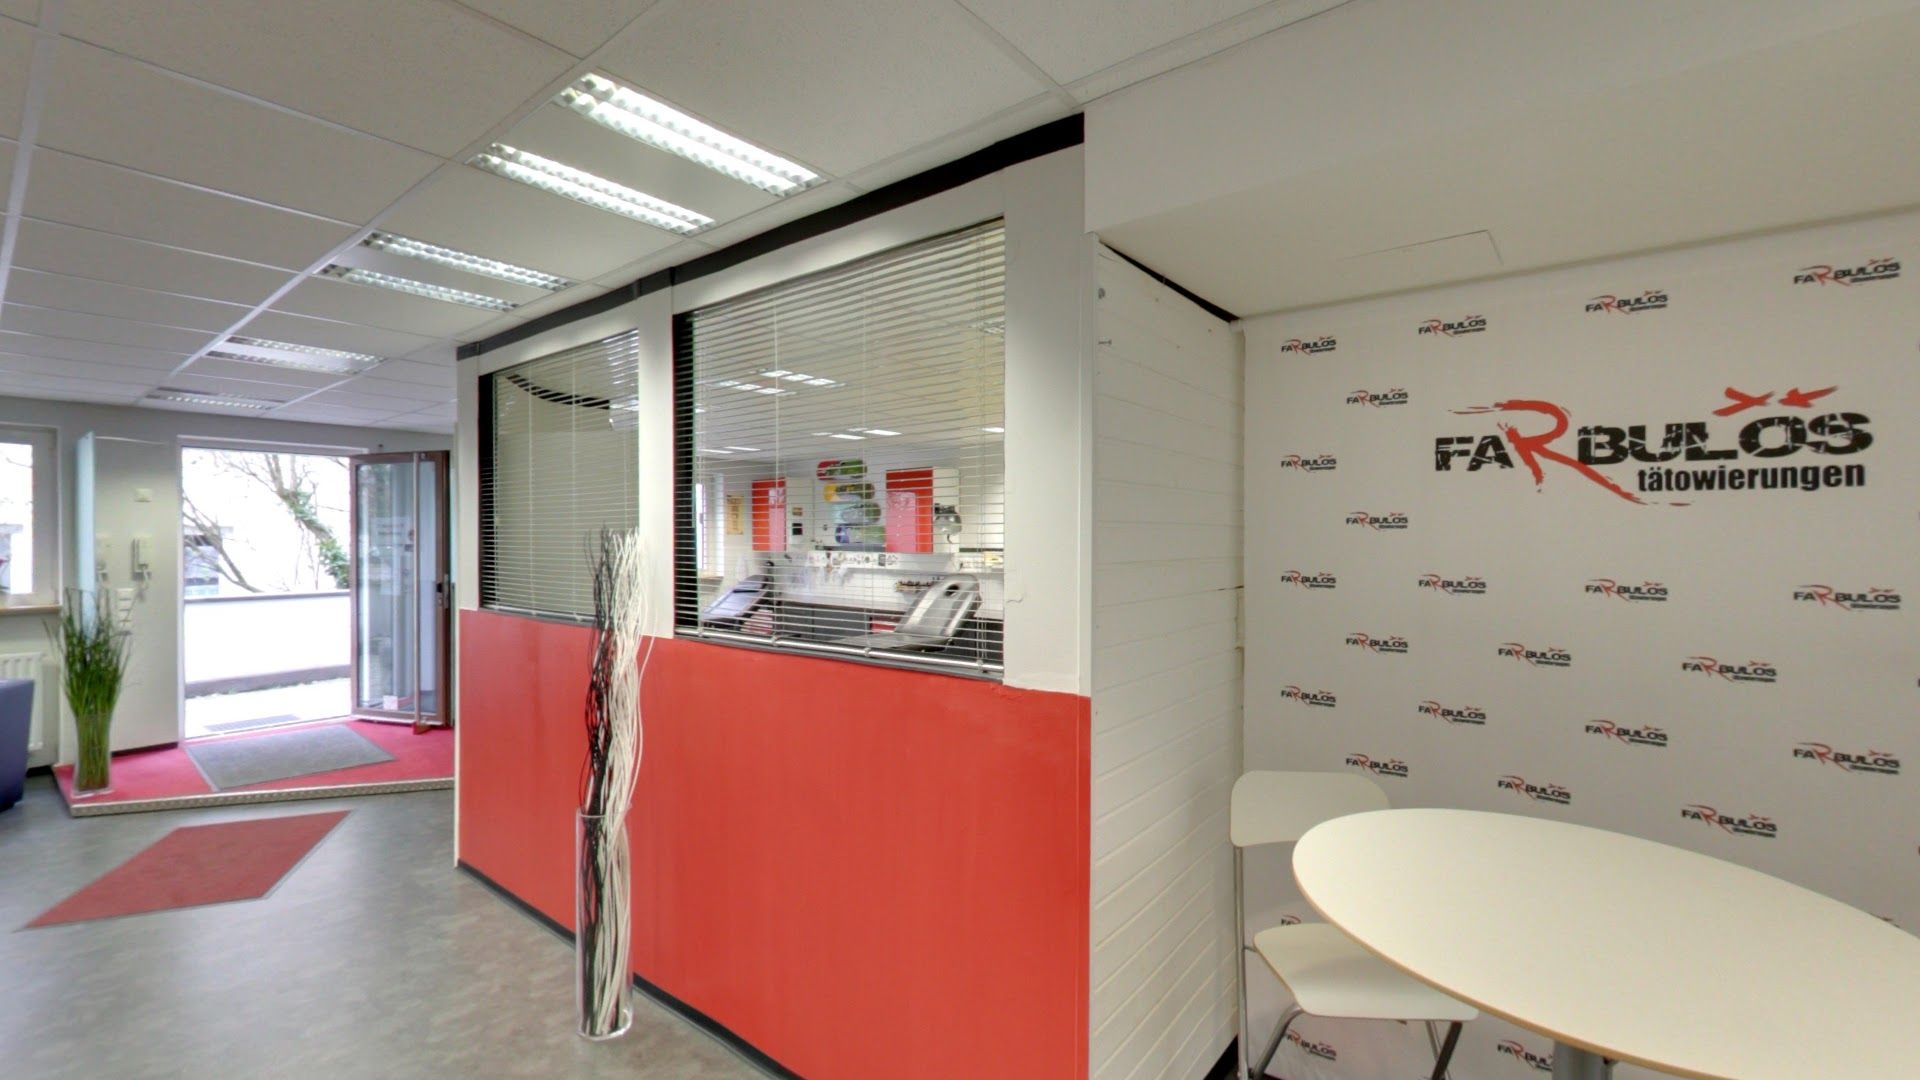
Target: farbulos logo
1551 656
1513 1049
1753 671
1392 767
1460 586
1632 736
1552 793
1391 643
1651 300
1320 698
1323 343
1874 270
1466 714
1388 522
1873 761
1321 580
1316 463
1751 825
1469 324
1764 440
1874 598
1288 920
1647 592
1311 1047
1379 399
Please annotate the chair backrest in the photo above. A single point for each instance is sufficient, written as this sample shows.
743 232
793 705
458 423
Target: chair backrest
942 608
1279 807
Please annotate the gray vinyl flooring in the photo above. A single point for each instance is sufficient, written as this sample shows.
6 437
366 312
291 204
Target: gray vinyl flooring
374 958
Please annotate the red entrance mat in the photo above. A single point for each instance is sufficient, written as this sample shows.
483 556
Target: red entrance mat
199 864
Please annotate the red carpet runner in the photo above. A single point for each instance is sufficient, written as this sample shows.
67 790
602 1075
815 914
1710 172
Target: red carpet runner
199 864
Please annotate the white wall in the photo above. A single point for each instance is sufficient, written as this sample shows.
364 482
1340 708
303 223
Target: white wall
1734 565
148 713
1166 563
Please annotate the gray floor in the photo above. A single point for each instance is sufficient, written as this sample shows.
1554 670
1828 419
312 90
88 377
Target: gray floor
374 958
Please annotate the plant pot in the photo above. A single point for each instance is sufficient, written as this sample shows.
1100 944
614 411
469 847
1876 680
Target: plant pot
603 931
92 766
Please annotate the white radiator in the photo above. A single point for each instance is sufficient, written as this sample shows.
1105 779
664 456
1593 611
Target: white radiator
30 666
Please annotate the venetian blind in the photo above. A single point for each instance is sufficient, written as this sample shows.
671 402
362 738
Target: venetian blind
562 463
842 483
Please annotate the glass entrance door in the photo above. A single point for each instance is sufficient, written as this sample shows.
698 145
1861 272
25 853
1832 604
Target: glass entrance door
402 598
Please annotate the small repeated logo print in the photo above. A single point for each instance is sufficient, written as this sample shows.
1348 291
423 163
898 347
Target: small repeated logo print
1647 592
1515 1050
1874 270
1460 586
1465 714
1551 656
1632 736
1874 598
1470 324
1320 698
1288 920
1317 463
1323 343
1753 671
1752 825
1873 761
1392 767
1379 399
1651 300
1312 1047
1388 522
1391 643
1552 793
1321 580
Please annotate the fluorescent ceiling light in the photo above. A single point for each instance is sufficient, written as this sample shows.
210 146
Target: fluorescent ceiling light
460 260
284 354
375 278
202 397
995 430
664 127
581 186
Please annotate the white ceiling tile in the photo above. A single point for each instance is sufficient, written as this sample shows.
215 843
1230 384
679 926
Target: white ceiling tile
351 396
684 250
328 298
1026 116
113 109
98 196
16 55
406 395
421 72
837 84
72 388
578 26
332 334
64 249
89 352
551 302
487 329
557 132
415 422
121 301
14 365
486 215
317 413
265 374
436 377
1071 39
79 326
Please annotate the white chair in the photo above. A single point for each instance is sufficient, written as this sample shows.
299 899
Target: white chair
1327 973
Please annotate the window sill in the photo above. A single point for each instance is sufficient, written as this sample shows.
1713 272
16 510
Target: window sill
29 609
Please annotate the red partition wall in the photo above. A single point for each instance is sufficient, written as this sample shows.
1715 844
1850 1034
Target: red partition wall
865 873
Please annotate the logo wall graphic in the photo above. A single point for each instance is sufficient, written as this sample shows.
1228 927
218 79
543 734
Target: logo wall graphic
1765 439
1287 920
1469 324
1753 671
1323 343
1392 767
1551 656
1379 399
1319 698
1390 643
1874 598
1461 586
1513 1049
1873 270
1317 463
1651 300
1321 580
1552 793
1466 714
1392 521
1647 592
1751 825
1632 736
1312 1047
1873 761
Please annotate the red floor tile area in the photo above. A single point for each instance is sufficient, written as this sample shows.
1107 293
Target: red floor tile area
199 864
169 773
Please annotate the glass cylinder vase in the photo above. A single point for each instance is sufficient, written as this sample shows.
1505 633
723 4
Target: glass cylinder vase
92 767
602 925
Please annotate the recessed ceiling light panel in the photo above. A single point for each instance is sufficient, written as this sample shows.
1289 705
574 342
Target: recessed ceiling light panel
581 186
664 127
202 397
362 276
460 260
285 354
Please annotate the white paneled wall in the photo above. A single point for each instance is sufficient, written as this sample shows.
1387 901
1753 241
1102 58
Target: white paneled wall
1166 679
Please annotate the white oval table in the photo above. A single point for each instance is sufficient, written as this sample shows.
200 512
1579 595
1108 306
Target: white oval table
1621 948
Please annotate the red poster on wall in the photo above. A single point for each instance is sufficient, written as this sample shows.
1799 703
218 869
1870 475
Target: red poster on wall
769 515
910 511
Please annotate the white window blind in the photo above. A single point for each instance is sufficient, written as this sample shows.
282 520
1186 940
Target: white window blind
561 464
842 483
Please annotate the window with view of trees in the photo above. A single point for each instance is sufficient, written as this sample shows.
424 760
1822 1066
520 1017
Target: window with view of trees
261 522
28 568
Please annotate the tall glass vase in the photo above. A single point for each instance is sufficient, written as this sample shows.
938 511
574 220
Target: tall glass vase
93 761
602 924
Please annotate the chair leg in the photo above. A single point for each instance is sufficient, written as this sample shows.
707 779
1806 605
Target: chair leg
1287 1018
1240 951
1446 1051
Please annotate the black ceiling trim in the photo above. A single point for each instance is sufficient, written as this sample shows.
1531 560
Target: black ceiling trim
1047 138
1202 302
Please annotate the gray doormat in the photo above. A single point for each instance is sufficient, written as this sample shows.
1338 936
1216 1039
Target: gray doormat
227 727
236 763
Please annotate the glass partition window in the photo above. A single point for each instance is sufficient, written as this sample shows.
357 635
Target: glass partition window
28 566
842 484
560 462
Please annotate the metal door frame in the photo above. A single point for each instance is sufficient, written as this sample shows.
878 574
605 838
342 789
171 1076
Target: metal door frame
442 716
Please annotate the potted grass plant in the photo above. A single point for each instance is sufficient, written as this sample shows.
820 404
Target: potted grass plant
91 639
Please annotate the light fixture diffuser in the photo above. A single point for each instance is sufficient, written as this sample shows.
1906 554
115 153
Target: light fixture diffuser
362 276
460 260
664 127
203 397
282 354
581 186
307 350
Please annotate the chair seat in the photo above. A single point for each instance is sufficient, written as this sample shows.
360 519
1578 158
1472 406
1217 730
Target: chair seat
1329 975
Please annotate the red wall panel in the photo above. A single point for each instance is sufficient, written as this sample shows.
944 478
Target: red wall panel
863 872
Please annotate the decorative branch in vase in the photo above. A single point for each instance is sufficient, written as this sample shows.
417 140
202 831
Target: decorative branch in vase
602 886
92 641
